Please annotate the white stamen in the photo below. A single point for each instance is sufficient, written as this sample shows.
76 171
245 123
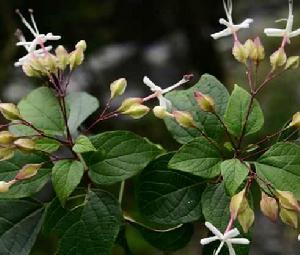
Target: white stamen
33 21
25 22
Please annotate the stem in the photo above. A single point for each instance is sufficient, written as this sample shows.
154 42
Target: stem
121 192
63 107
230 223
106 117
81 159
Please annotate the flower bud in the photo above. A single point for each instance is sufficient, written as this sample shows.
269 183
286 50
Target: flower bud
77 56
238 203
49 62
10 111
251 49
289 217
6 138
6 153
4 186
30 71
28 171
184 119
161 112
278 58
118 87
259 49
292 63
240 52
246 218
128 102
287 200
62 57
137 111
295 121
269 207
205 102
25 145
81 45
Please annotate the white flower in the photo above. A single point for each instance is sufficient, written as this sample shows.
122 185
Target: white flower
231 27
226 238
159 92
38 41
298 237
288 31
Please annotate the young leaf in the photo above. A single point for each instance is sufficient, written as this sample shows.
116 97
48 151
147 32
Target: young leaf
83 144
92 228
234 174
20 223
66 175
25 188
81 105
121 155
47 145
167 241
41 108
198 157
168 197
237 111
280 167
184 101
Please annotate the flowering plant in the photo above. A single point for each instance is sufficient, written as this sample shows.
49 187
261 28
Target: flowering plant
215 177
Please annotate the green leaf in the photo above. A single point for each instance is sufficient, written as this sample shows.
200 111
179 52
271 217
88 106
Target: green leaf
21 130
167 241
236 113
168 197
83 144
81 105
184 100
121 155
91 228
47 145
41 108
215 204
20 223
24 188
198 157
66 175
280 166
234 174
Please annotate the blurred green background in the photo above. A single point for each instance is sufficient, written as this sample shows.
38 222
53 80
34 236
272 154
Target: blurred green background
162 39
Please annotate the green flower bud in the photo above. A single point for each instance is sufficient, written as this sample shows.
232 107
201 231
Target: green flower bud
128 102
184 119
6 153
278 58
205 102
251 49
50 63
77 56
161 112
118 87
269 207
30 71
289 217
81 45
238 203
246 217
25 145
6 138
295 121
239 52
62 57
292 63
10 111
28 171
259 49
137 111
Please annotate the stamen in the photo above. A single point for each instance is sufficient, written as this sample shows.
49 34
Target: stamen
25 22
33 20
291 6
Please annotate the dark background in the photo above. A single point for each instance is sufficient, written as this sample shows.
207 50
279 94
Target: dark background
163 39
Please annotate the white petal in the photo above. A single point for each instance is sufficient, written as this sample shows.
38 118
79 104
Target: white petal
214 230
223 33
219 248
52 37
231 233
230 248
246 23
274 32
176 85
208 240
298 237
295 33
151 84
238 241
225 22
165 103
